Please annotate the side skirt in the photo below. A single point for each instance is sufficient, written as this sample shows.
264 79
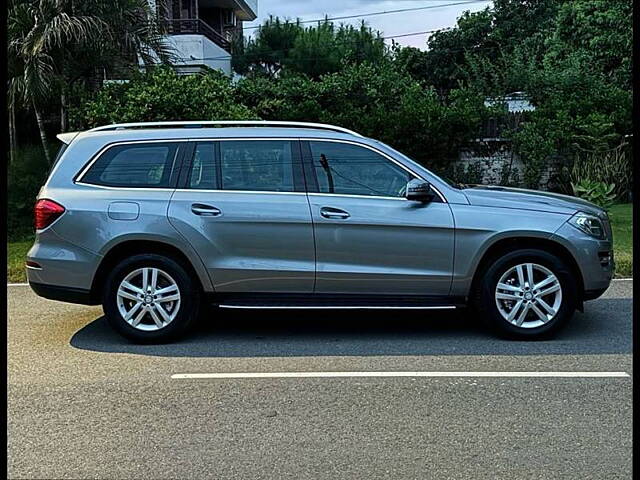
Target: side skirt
334 301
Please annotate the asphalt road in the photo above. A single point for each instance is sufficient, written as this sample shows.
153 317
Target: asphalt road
84 403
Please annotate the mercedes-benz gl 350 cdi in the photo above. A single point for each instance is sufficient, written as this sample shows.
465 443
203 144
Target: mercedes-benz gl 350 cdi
152 220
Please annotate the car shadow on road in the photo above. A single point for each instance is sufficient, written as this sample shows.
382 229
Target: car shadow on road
605 328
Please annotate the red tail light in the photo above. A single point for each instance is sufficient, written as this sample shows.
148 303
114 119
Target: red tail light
45 212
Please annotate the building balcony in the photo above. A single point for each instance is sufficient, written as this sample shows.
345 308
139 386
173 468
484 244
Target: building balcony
197 27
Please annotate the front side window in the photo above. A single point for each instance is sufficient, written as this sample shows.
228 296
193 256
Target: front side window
135 165
347 169
257 165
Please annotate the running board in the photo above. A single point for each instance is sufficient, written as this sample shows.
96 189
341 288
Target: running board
334 301
339 307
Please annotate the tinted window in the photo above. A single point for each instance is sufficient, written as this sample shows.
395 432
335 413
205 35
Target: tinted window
348 169
257 165
137 165
203 169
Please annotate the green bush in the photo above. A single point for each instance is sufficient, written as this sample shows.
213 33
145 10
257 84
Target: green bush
26 174
600 193
162 94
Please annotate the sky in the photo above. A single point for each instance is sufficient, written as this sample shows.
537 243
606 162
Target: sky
389 24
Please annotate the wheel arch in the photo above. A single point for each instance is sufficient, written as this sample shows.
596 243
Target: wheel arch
128 247
509 244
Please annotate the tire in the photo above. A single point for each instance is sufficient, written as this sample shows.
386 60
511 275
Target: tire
495 308
176 310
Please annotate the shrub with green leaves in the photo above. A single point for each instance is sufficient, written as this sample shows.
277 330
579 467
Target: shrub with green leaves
162 94
600 193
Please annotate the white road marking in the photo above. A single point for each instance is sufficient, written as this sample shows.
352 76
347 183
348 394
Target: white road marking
397 374
17 284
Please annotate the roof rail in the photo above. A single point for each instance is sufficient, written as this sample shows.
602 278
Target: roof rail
248 123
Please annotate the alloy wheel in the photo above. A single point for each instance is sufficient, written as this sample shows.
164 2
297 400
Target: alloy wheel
528 295
148 299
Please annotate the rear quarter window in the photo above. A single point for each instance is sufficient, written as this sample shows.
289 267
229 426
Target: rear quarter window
148 165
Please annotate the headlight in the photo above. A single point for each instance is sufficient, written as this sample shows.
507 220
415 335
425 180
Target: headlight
589 224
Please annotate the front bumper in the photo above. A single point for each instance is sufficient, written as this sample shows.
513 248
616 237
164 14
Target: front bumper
594 258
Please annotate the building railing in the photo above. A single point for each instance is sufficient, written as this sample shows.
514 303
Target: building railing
197 26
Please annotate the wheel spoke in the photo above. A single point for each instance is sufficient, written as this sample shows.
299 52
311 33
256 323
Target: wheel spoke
133 310
510 288
530 274
514 311
168 289
139 317
541 315
523 314
546 306
554 288
131 287
169 298
163 313
507 296
129 296
520 275
145 279
550 279
154 278
156 318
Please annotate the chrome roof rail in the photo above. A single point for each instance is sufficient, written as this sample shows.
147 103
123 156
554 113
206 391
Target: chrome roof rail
242 123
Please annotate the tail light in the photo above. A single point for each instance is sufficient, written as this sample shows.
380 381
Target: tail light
45 212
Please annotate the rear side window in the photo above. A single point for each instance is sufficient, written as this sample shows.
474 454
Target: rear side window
250 165
257 165
136 165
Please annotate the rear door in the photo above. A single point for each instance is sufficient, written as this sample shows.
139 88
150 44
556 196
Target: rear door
242 205
369 238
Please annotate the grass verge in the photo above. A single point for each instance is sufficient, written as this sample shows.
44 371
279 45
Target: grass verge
621 223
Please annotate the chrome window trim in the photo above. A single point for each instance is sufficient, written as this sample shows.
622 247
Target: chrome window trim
268 192
82 173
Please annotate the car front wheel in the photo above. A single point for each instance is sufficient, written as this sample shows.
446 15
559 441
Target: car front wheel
527 294
150 298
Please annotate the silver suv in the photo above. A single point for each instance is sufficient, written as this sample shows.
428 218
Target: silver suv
153 220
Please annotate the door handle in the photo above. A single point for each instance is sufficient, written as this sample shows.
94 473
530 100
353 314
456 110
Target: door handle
205 210
330 212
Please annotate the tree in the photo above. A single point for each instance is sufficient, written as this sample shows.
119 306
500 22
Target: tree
282 47
54 43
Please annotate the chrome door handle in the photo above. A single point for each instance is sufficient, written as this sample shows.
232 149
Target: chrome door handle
205 210
330 212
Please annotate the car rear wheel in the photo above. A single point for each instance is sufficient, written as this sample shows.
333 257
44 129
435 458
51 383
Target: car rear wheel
150 298
527 294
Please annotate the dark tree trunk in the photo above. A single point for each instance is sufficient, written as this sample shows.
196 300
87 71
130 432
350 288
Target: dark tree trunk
63 112
43 135
13 141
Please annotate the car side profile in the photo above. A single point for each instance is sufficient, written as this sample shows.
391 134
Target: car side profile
152 220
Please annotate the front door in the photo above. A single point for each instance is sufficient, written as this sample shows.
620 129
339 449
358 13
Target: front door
369 238
243 207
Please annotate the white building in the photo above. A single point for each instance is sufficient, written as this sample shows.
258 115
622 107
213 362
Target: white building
201 31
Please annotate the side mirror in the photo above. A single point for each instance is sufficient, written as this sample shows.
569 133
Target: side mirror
419 191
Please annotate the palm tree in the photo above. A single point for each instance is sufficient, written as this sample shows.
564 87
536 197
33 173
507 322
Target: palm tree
55 43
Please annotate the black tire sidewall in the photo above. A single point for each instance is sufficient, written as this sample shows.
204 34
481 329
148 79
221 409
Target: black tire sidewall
490 280
189 302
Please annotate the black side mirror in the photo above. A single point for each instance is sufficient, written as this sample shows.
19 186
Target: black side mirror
419 191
